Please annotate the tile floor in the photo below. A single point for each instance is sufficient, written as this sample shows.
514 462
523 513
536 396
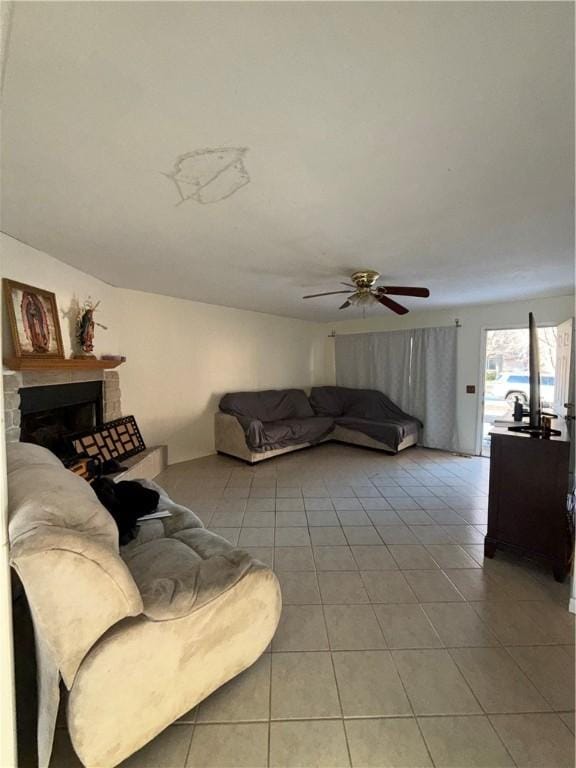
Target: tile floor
399 645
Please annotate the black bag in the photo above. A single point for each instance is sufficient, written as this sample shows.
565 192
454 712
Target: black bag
126 501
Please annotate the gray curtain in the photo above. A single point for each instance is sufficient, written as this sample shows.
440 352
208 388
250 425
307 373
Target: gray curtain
415 368
376 361
433 384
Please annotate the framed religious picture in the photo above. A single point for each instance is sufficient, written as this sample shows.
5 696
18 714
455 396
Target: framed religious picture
33 318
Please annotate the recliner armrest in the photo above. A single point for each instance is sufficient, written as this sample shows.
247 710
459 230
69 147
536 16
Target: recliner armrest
77 588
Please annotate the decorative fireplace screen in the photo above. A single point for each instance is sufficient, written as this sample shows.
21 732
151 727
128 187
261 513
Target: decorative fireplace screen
119 439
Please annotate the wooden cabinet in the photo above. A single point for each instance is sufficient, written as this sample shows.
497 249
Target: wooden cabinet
527 501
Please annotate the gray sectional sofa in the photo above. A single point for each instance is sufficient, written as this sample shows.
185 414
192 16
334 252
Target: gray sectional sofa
260 425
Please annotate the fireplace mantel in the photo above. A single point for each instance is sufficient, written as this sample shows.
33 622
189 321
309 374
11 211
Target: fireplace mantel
59 364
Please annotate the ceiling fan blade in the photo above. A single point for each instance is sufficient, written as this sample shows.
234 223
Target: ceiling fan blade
330 293
346 304
349 285
397 290
391 304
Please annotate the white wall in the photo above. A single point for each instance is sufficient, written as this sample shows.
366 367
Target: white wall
474 319
181 355
27 265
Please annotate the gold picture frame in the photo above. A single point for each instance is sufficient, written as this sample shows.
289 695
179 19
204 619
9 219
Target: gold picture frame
33 319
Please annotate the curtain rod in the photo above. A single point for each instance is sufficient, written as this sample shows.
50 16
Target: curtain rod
457 324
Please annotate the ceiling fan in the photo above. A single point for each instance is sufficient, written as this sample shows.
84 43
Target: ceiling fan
364 292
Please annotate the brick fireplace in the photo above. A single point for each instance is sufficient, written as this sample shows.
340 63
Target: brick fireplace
144 465
16 381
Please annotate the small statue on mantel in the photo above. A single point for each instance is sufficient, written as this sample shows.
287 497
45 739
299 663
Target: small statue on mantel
85 327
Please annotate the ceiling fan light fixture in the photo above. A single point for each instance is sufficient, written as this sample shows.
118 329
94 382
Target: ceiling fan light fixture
363 299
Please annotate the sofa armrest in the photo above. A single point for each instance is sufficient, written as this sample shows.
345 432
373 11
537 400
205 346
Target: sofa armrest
143 675
229 436
77 588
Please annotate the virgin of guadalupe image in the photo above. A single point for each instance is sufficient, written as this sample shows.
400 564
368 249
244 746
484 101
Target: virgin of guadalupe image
35 322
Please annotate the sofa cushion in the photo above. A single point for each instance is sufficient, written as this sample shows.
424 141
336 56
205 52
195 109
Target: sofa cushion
181 519
391 433
328 401
45 495
268 405
178 575
359 403
365 410
21 455
266 436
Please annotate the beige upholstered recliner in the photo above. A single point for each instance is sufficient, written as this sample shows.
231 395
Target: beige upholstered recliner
138 638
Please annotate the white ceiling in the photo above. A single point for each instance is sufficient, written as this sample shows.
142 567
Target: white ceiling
430 141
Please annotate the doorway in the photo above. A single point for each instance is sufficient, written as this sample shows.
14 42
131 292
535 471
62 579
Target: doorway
506 374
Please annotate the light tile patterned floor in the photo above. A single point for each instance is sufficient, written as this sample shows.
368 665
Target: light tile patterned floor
399 645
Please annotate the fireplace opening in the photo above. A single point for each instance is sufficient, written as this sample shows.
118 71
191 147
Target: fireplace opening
50 415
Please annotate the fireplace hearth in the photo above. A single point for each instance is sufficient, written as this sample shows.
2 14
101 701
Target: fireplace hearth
51 414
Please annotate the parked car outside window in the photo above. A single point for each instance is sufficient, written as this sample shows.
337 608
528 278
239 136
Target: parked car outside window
509 386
